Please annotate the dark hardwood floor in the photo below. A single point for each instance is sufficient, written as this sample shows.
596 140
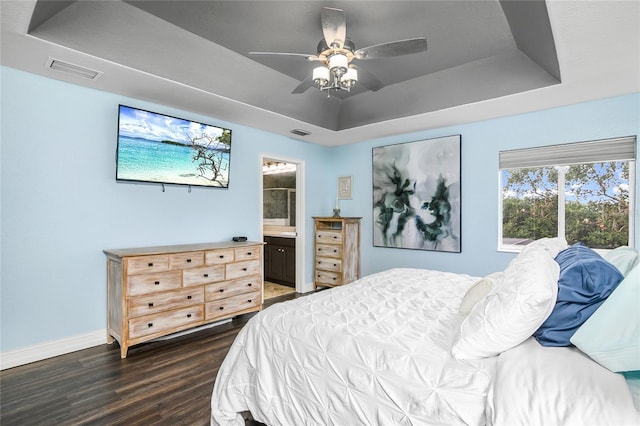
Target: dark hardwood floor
165 382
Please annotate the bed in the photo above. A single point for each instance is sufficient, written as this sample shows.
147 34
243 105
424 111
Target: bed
412 346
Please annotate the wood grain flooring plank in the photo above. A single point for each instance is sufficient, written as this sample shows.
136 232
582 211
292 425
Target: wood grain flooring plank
165 382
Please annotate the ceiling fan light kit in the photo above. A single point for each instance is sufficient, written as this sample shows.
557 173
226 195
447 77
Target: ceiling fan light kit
338 64
335 52
350 78
336 75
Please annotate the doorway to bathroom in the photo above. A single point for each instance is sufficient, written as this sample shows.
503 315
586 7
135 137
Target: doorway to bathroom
282 223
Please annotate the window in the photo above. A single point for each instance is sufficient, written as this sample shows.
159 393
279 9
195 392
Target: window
580 191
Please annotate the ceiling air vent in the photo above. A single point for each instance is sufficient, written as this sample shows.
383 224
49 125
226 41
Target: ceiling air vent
77 70
300 132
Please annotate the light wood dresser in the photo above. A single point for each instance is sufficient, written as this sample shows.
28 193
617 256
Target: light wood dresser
156 291
337 250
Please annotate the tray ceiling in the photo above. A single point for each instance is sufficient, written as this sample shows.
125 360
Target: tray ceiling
478 51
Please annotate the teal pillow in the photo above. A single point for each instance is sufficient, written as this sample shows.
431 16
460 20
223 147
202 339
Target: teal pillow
633 381
624 258
611 336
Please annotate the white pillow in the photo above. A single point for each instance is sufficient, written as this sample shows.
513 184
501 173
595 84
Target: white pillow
515 308
553 246
478 291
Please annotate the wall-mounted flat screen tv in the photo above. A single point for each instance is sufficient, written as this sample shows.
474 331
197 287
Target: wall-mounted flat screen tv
158 148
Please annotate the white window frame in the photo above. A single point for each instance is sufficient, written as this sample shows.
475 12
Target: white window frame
615 149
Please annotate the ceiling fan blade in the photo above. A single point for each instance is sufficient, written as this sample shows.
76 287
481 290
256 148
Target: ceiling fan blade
393 48
368 80
302 87
334 26
307 56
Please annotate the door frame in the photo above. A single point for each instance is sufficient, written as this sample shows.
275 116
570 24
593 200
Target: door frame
300 214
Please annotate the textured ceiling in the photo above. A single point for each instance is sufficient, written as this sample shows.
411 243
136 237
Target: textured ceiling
195 55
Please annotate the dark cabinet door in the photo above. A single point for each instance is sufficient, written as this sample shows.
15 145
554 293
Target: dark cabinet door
270 252
277 264
289 271
280 261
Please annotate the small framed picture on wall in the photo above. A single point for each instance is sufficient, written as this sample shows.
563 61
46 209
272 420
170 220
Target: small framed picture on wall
344 187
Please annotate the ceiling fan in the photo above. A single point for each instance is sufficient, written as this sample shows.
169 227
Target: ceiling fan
336 52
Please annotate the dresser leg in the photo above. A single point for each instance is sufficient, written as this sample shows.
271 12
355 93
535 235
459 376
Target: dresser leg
123 352
110 339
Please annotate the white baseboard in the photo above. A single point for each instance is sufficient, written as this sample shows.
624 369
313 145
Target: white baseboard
307 287
67 345
50 349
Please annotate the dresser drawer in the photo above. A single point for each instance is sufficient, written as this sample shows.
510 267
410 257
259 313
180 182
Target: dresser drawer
246 253
166 321
167 300
329 264
243 269
216 257
327 277
145 264
326 250
329 237
191 259
232 305
149 283
232 288
204 275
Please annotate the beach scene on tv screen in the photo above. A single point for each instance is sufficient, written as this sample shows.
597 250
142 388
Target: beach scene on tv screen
158 148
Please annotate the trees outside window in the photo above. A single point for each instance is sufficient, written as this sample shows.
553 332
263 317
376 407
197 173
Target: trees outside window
589 202
595 209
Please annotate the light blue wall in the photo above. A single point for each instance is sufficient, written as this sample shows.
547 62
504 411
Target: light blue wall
481 143
61 206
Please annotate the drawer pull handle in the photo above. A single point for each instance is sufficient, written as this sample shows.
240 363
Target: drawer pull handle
249 253
334 278
244 269
319 249
188 297
206 275
221 307
157 282
250 300
151 305
188 315
335 251
188 260
250 284
150 325
150 264
335 237
222 290
335 264
222 256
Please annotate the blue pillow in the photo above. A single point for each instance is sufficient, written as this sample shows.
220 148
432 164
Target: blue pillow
586 280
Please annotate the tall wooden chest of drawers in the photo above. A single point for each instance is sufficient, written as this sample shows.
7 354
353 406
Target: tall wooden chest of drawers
156 291
337 250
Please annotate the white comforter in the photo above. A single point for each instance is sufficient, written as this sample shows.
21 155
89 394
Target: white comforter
537 385
375 352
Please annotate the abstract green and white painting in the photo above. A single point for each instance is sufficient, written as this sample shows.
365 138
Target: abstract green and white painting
416 195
